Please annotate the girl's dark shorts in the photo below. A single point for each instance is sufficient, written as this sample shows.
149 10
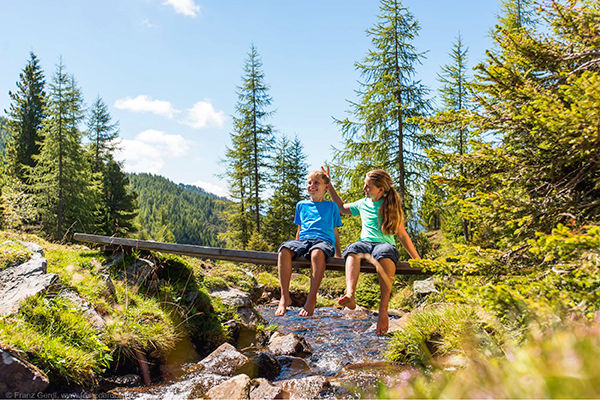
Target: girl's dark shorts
378 250
303 247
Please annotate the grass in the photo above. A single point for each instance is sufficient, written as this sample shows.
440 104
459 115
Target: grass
12 254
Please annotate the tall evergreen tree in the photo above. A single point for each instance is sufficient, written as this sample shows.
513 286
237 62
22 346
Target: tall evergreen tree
60 178
25 115
101 133
384 133
289 181
248 157
118 200
516 14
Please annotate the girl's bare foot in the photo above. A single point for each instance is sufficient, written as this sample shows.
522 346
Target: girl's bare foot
283 305
347 301
383 323
308 310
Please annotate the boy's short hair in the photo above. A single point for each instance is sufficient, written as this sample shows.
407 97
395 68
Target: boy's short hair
319 174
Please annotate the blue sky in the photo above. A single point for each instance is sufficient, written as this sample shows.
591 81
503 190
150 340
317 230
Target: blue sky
168 70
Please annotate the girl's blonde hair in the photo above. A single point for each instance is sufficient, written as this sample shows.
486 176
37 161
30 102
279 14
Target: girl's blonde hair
390 212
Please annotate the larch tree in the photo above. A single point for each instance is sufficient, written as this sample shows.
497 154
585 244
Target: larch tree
383 131
61 178
248 158
25 116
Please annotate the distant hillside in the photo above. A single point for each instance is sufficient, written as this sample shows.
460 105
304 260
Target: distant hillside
191 214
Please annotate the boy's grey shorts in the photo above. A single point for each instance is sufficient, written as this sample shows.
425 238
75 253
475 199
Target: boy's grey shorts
303 247
378 250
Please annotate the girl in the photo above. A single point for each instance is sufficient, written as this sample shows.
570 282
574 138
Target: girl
381 216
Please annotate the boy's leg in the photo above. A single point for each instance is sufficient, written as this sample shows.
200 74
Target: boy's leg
352 271
386 278
284 266
317 261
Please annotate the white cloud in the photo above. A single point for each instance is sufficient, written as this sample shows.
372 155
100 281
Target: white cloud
185 7
203 114
212 188
143 103
147 152
174 145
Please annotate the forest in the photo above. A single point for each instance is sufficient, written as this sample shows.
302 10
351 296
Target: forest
500 181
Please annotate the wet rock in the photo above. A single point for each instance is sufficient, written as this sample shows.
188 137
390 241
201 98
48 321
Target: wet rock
424 287
305 388
293 367
368 375
226 360
20 376
111 382
234 297
291 344
23 281
88 310
237 387
268 366
249 317
267 391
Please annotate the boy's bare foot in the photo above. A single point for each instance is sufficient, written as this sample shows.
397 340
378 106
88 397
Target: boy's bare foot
383 323
347 301
282 308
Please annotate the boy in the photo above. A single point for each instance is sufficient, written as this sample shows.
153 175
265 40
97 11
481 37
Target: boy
316 238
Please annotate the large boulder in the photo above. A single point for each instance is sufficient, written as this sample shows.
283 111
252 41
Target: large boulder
264 390
18 376
293 367
226 360
291 344
233 297
309 387
267 366
23 281
236 388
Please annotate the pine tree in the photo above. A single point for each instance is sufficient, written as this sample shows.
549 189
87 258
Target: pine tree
516 14
101 133
60 178
289 181
385 133
118 200
248 157
25 116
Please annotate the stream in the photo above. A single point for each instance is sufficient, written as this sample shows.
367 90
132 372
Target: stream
345 347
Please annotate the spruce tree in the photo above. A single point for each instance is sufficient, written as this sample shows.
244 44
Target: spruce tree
101 133
61 178
289 181
25 115
248 157
118 200
384 132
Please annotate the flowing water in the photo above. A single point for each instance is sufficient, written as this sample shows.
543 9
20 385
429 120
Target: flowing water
345 349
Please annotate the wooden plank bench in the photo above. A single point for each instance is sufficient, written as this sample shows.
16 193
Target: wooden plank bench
242 256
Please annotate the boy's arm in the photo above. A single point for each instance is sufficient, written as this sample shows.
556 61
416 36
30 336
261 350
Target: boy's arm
298 233
344 209
338 252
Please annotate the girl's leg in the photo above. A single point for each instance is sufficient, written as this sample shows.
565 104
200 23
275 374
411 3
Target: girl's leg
284 266
386 278
352 272
317 261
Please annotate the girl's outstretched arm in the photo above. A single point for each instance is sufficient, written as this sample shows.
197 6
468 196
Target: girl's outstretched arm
407 243
344 209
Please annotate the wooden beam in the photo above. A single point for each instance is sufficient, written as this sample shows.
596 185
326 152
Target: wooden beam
242 256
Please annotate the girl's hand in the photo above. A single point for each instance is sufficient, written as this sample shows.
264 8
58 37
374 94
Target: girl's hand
326 171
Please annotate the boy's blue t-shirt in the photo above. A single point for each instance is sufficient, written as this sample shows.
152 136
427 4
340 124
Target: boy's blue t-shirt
317 220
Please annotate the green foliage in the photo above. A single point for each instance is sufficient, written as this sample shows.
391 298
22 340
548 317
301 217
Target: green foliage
12 253
367 291
190 216
101 133
58 339
17 205
439 330
117 208
552 364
